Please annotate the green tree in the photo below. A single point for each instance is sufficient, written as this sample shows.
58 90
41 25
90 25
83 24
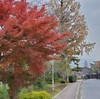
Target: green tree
95 66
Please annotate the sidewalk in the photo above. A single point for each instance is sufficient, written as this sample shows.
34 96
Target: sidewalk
69 92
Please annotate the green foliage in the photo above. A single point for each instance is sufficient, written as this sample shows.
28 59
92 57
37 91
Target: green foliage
95 67
3 94
23 91
77 69
72 78
48 77
25 66
62 80
36 95
39 83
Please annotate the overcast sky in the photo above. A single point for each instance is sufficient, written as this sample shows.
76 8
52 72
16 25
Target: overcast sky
91 10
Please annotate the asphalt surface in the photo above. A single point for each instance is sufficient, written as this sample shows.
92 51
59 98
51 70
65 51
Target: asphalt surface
68 92
90 89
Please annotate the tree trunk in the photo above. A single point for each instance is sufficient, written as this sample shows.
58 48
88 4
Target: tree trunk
13 93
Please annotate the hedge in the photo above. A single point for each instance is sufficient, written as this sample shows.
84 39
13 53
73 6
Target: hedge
72 78
36 95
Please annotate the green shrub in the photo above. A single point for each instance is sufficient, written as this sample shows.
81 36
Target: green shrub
72 78
36 95
62 81
3 94
48 78
39 83
23 91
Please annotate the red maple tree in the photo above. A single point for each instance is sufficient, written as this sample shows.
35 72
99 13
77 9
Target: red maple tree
27 40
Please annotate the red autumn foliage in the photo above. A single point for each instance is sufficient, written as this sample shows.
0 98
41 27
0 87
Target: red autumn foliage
27 40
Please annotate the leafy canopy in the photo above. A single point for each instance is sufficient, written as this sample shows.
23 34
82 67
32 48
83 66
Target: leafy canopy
27 39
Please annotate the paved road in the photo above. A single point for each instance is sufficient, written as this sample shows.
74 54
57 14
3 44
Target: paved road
68 92
90 89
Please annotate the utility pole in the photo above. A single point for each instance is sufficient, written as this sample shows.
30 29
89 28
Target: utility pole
52 75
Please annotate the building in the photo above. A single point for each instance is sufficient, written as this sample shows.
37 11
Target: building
85 71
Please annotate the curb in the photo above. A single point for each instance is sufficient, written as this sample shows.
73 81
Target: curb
78 90
61 91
